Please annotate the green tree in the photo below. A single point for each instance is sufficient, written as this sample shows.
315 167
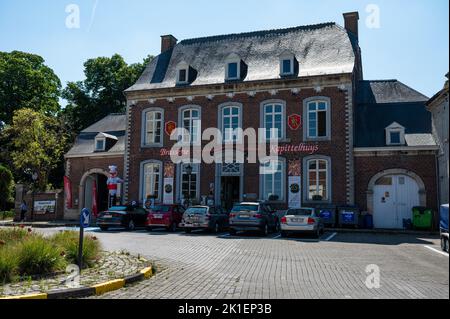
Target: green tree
37 144
101 93
26 82
6 187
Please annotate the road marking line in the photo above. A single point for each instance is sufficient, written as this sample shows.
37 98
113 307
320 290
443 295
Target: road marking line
331 237
276 237
437 251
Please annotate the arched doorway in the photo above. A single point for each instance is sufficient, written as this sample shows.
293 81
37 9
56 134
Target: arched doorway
97 178
392 195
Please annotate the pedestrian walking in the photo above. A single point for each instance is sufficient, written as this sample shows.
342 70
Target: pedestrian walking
23 211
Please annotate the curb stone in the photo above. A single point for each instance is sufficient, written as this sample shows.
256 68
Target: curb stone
98 289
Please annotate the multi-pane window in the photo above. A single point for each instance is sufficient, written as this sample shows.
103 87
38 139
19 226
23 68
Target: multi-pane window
233 70
182 76
286 67
230 122
191 123
100 144
395 137
317 119
153 127
317 180
152 181
189 181
273 121
272 173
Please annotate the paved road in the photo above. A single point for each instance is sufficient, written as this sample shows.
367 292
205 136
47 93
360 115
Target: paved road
210 266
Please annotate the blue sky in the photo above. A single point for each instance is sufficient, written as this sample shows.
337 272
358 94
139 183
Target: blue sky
411 44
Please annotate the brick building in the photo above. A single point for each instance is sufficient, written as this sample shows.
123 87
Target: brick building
307 83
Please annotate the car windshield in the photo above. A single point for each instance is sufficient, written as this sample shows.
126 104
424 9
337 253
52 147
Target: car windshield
245 208
161 208
299 212
197 210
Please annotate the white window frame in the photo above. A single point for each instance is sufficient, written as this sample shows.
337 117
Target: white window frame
222 117
181 172
395 128
143 175
306 180
144 130
307 113
182 66
263 113
233 58
181 120
262 182
100 139
291 58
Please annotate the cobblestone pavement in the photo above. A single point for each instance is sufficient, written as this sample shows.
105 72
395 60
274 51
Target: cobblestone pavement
210 266
112 265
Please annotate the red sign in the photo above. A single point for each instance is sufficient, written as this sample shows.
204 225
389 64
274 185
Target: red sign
170 127
295 122
68 192
94 199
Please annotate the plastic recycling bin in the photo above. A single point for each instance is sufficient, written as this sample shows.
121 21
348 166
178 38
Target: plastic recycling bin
422 217
349 216
328 214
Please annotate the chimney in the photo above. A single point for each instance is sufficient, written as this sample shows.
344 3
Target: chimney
168 42
351 22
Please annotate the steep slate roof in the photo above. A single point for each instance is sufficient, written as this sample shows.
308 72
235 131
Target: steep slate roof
319 49
380 103
112 126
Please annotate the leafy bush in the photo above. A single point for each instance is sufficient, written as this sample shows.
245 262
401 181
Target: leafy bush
68 242
12 236
38 256
8 264
7 215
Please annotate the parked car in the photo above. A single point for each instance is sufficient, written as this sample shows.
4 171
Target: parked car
204 217
248 216
167 216
301 220
444 227
129 217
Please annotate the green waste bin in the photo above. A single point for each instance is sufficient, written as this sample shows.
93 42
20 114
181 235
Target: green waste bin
422 217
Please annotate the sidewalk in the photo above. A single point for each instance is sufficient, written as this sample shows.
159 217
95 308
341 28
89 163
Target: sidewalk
384 231
51 224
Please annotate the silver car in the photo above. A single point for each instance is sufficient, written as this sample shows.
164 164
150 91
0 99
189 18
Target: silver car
301 220
203 217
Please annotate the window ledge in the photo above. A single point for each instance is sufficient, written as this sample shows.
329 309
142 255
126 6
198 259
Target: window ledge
146 146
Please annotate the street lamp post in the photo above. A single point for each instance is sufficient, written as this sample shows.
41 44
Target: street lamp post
189 173
34 176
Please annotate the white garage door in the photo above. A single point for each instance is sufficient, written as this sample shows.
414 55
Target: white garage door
394 197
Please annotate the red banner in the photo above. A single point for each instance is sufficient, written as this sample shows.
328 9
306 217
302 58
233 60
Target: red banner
68 192
94 199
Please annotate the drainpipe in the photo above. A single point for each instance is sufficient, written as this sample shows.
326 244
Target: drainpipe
438 186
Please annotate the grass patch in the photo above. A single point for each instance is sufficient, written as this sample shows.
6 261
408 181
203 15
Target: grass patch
24 253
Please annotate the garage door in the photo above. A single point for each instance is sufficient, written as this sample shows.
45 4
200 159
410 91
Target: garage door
394 197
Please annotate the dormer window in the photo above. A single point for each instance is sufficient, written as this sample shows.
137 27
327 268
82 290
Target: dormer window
100 144
395 135
183 73
287 64
233 67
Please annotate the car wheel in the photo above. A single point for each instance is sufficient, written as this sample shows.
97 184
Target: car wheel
131 226
318 233
232 232
103 228
216 228
265 230
277 227
187 230
444 244
173 228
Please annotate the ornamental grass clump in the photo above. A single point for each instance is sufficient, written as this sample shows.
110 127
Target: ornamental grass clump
8 264
39 256
68 243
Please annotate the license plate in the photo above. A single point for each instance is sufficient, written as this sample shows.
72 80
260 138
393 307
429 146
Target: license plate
158 216
297 220
244 216
107 216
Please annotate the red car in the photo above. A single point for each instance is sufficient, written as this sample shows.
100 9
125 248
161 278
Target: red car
167 216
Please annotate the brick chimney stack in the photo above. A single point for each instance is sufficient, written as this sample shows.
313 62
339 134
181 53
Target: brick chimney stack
351 22
168 42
